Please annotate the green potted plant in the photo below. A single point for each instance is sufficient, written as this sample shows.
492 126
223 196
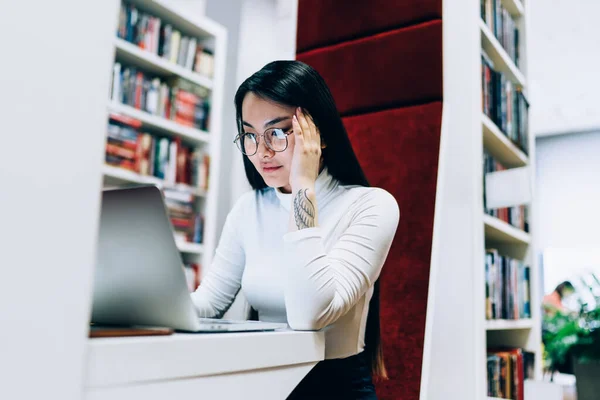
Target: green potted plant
572 345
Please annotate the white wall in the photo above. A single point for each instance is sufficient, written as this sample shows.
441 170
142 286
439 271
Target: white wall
567 194
259 31
53 125
267 33
563 62
195 7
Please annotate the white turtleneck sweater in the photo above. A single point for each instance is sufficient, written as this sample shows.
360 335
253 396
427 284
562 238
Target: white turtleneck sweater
313 278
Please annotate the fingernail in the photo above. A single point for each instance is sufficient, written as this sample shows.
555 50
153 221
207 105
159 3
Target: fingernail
299 109
294 117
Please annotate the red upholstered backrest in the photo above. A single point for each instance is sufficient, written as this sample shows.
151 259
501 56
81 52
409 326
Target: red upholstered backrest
382 60
326 22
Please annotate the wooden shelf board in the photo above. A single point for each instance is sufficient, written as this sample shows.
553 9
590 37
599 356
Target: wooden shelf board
499 56
499 231
500 146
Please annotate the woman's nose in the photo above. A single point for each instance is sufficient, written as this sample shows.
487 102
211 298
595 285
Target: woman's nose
264 150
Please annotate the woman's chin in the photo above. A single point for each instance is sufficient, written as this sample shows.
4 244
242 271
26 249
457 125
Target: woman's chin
275 183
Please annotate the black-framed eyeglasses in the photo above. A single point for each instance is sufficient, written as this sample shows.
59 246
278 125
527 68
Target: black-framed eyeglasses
276 139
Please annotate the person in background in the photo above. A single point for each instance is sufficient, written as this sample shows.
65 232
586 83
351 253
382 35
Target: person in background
307 245
554 301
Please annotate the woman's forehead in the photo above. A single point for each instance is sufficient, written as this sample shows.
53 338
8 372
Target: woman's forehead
258 111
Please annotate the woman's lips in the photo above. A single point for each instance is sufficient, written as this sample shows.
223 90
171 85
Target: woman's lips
271 169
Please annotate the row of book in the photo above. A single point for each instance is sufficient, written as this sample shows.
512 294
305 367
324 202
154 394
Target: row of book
152 155
192 275
151 34
503 26
507 370
517 216
505 104
175 99
187 224
507 284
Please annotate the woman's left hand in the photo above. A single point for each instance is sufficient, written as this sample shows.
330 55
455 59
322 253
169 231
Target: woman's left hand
307 152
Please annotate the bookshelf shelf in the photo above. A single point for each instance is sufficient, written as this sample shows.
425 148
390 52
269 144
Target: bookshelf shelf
514 7
499 231
499 56
189 248
489 256
500 147
201 27
115 176
503 324
166 127
132 54
198 156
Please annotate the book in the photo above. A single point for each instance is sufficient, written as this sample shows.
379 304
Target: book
174 99
507 283
150 33
505 104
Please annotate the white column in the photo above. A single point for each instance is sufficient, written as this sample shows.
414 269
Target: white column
54 80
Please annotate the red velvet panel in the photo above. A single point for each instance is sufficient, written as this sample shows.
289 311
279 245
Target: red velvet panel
391 69
398 150
323 22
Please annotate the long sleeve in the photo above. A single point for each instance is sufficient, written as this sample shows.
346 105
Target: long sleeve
323 286
223 280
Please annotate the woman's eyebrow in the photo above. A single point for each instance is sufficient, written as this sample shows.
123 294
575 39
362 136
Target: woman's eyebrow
271 122
276 120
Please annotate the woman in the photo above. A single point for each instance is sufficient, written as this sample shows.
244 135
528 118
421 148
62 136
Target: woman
307 246
555 301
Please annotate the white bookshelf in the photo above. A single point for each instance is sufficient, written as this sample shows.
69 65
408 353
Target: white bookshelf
497 230
114 176
458 333
164 126
499 56
150 62
189 248
515 7
511 241
211 36
500 147
505 325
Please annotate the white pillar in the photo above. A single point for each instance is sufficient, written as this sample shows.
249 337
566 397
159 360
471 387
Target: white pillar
54 79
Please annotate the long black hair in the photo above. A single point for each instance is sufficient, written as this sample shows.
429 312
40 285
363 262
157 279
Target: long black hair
296 84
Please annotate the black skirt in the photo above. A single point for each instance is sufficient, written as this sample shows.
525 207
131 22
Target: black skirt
344 378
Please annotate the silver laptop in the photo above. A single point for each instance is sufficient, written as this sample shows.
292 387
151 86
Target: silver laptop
139 278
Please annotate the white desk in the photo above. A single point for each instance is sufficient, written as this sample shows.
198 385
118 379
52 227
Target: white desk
261 365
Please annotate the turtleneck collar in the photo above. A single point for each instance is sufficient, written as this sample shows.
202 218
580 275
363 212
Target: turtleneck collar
325 186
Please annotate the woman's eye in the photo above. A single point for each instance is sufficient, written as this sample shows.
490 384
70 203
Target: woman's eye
249 136
279 133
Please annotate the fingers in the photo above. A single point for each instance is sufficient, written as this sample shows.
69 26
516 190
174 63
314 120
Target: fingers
298 134
303 124
309 129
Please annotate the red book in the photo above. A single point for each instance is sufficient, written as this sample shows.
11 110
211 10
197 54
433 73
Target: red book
132 122
120 151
